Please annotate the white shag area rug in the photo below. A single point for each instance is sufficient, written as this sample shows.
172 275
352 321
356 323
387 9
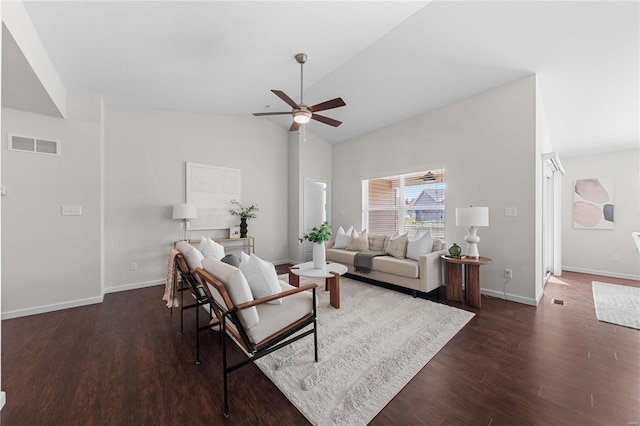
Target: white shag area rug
617 304
368 351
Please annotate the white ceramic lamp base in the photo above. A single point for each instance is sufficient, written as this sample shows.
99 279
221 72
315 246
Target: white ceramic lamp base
472 240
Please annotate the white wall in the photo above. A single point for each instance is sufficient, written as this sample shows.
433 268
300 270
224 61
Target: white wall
51 261
487 145
591 250
309 157
145 160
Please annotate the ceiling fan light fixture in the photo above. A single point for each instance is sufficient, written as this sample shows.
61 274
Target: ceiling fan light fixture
302 117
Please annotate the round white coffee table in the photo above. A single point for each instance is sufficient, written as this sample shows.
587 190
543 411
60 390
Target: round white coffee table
331 274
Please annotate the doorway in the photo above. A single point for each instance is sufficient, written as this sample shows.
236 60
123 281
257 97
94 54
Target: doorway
552 172
316 209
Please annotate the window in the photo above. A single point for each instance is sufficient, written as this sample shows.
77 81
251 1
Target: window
405 203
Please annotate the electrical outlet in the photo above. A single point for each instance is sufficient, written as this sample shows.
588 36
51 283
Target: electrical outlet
133 266
508 273
615 258
510 211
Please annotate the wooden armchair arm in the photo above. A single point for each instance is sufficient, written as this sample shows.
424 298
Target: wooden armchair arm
275 296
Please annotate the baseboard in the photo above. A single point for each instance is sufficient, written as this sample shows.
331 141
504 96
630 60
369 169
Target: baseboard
3 399
510 297
134 286
50 308
284 262
602 273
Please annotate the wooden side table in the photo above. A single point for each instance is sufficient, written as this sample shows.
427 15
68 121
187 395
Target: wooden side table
453 278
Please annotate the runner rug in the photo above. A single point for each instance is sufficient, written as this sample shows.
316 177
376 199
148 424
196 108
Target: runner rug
368 351
617 304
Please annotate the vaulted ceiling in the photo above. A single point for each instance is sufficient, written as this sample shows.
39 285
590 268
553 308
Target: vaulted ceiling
388 60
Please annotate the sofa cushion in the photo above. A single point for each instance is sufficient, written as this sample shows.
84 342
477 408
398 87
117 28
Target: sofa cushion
274 318
397 246
377 242
421 243
340 256
210 248
342 237
237 287
359 241
262 278
438 245
395 266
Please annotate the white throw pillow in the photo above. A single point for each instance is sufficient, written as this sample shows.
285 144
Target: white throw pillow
358 241
244 257
342 238
397 246
237 288
421 243
262 278
210 248
192 255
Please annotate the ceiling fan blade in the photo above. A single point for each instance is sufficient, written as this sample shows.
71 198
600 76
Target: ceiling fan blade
258 114
333 103
284 97
295 126
326 120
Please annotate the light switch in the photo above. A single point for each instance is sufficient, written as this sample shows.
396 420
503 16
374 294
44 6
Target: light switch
510 211
71 210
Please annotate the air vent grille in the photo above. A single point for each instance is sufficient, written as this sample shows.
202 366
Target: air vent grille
34 145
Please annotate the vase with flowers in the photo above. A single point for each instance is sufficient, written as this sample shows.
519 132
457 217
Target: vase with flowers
318 235
243 213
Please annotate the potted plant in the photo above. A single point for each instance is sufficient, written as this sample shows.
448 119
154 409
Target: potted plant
243 213
318 235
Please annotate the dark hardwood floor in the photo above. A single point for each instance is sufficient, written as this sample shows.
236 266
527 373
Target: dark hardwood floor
124 362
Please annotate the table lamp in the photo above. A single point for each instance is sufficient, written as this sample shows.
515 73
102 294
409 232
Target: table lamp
184 212
472 217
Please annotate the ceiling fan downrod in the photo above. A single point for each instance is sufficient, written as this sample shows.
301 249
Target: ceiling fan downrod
301 58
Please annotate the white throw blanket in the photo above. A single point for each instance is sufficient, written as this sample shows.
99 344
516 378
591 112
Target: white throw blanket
169 288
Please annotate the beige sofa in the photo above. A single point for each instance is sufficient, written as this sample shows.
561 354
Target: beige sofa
422 275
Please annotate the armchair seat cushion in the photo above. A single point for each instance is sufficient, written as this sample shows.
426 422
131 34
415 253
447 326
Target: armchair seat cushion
273 318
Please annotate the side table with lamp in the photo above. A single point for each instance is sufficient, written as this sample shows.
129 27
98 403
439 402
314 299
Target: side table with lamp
471 217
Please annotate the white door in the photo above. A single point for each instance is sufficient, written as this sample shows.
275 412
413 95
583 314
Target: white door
315 209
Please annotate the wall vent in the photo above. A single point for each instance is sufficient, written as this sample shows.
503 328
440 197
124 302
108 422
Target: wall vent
34 145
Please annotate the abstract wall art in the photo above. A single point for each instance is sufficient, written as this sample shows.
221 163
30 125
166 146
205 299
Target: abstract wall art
593 203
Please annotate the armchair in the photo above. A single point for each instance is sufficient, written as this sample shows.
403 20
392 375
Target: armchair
257 327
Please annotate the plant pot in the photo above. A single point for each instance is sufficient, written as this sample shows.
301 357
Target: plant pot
243 227
319 257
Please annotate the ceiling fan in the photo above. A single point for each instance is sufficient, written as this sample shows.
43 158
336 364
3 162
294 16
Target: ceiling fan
301 112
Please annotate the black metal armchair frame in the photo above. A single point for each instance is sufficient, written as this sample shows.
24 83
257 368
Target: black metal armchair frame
189 282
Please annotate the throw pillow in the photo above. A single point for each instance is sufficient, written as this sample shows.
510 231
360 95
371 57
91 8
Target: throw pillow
342 238
262 278
210 248
232 260
421 243
237 288
244 257
358 241
398 246
192 255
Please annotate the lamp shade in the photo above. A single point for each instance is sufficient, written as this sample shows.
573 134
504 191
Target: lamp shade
472 216
185 211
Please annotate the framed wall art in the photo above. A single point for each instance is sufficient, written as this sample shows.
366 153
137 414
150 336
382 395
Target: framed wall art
593 205
211 189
